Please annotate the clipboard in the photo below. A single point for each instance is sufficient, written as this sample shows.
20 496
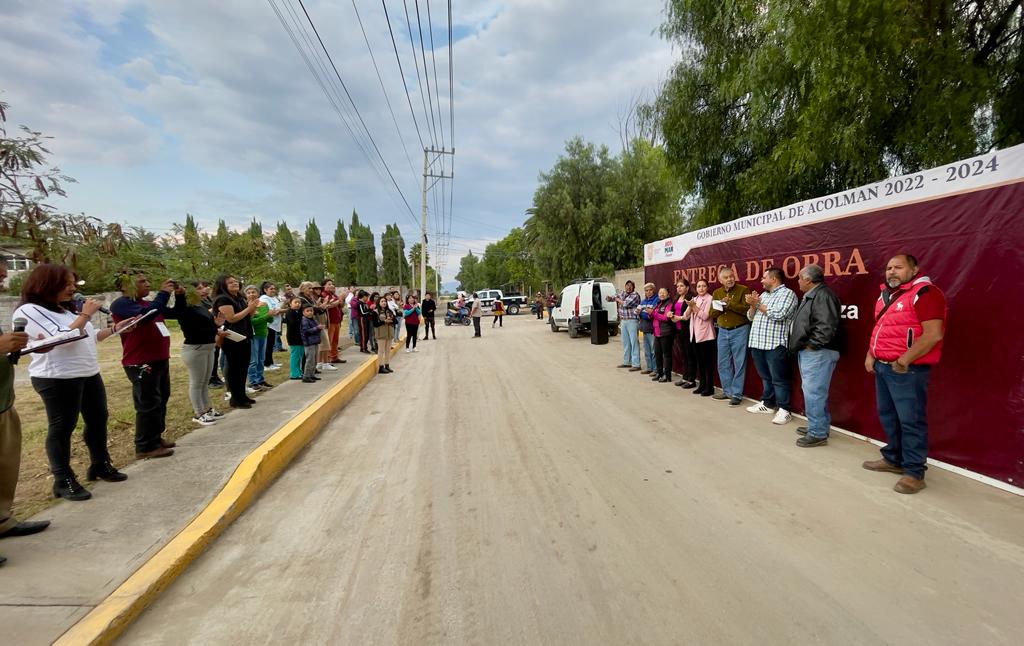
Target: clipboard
53 341
130 324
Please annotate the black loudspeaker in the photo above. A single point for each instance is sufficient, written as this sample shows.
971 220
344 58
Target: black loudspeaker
599 326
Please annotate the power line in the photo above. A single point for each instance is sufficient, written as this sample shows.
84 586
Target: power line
323 86
433 60
356 109
402 73
412 45
382 89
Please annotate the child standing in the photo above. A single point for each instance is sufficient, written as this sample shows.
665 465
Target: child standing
293 319
498 309
310 331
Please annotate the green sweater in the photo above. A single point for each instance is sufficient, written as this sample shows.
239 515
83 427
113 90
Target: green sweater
736 307
259 320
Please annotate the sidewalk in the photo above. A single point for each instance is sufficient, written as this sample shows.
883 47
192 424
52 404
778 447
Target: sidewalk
52 579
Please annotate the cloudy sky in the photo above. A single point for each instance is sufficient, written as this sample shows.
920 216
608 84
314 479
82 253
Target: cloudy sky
188 106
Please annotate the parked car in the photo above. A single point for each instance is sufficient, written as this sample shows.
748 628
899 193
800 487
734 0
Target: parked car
513 302
578 301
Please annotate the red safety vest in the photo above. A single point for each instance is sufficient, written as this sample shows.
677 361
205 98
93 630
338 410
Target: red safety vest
897 327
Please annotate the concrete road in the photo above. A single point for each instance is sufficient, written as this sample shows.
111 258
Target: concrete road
518 489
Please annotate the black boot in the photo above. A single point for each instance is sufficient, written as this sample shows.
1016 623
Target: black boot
381 370
104 471
387 367
68 488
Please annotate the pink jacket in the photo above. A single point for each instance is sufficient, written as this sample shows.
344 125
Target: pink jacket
701 326
660 315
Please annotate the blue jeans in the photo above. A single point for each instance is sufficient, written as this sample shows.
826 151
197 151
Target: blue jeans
732 359
256 355
649 351
901 401
398 329
773 368
630 342
816 368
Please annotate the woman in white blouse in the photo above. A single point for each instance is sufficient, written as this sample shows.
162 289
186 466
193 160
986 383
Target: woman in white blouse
67 377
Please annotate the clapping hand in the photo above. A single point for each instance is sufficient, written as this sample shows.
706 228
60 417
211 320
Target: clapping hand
752 298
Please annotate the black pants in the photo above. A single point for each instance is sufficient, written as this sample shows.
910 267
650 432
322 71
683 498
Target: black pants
411 330
476 326
365 330
237 354
497 319
268 356
151 388
663 354
687 351
216 362
705 353
428 327
64 400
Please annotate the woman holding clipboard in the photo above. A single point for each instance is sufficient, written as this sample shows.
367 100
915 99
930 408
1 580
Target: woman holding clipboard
67 377
229 301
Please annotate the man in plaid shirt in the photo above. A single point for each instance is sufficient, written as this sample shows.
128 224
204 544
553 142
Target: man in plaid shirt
772 314
627 301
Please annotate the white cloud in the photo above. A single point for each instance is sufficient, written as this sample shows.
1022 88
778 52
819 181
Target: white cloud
216 102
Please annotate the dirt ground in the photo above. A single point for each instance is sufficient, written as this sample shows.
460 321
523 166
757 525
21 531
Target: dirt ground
519 489
35 482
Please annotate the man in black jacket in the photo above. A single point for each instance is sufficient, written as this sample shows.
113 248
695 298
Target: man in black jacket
816 341
428 307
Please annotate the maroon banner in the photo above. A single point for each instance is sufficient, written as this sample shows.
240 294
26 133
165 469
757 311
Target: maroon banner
971 245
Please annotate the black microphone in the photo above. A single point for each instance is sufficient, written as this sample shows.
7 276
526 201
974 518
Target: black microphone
19 326
79 299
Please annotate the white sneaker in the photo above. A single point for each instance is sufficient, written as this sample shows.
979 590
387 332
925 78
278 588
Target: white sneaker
249 391
759 407
213 413
408 350
227 397
328 366
273 366
781 416
203 420
415 350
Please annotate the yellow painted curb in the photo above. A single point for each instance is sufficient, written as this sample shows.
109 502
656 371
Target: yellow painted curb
111 616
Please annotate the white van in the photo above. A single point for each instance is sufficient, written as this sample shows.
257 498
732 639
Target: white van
577 301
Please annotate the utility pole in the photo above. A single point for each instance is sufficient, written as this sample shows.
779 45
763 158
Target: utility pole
430 156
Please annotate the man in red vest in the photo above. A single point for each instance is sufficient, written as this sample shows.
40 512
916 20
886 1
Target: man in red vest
910 320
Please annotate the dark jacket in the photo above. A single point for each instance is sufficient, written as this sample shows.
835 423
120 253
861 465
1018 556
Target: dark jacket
196 321
429 306
817 324
293 319
310 331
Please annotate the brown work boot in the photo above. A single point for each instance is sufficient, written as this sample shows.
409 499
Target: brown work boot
158 452
909 484
881 465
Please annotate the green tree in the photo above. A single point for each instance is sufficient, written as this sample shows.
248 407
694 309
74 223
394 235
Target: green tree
314 253
256 229
341 256
27 217
392 246
469 273
778 102
413 279
364 265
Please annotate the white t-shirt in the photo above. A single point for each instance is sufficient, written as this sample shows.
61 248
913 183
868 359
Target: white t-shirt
66 361
274 303
348 299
